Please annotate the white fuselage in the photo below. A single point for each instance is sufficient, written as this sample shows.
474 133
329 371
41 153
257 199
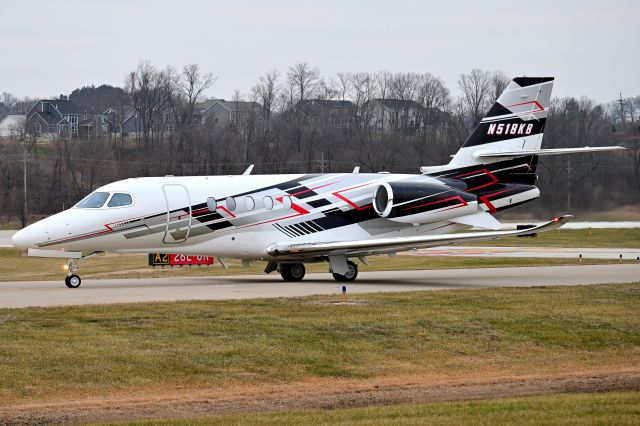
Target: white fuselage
170 214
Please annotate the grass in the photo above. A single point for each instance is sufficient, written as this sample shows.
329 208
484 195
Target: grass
102 348
14 267
10 226
614 408
600 238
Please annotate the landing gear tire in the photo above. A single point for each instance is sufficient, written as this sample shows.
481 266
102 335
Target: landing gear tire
73 281
351 274
292 271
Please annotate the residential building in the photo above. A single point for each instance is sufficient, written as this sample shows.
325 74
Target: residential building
395 114
223 114
333 112
61 117
131 122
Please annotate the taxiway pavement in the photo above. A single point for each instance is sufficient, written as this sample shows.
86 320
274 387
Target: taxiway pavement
54 293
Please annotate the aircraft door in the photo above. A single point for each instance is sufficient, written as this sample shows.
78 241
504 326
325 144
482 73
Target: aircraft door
178 204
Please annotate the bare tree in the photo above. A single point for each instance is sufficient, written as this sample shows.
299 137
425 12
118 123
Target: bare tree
303 78
327 89
151 91
476 92
363 91
434 96
343 84
9 101
266 93
193 84
499 82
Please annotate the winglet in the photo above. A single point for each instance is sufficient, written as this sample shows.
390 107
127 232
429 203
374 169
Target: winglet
248 171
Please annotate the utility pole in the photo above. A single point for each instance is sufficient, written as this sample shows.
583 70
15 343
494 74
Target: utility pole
621 102
568 184
24 186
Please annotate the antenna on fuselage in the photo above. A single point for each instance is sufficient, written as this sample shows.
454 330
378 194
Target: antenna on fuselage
248 171
356 169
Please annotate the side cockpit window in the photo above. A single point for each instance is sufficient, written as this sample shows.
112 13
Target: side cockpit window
93 201
120 200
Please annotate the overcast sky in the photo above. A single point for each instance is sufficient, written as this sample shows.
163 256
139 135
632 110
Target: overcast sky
591 47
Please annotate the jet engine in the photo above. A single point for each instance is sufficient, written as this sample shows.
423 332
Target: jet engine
421 202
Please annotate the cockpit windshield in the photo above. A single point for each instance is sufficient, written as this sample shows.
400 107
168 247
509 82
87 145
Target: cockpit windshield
93 201
120 200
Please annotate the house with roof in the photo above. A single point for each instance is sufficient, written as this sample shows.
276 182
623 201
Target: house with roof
333 112
221 114
12 126
131 124
395 114
61 117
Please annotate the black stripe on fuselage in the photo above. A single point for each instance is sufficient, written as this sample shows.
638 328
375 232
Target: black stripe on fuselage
336 218
321 202
301 192
517 170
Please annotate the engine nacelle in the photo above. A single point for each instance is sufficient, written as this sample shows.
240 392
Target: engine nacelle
421 202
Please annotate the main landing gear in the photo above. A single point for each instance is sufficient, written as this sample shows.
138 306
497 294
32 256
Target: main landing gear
296 271
292 271
350 275
72 280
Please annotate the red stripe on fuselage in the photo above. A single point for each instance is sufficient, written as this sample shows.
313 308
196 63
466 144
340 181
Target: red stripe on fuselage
313 189
348 201
486 171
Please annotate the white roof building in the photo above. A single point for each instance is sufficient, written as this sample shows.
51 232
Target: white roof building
11 126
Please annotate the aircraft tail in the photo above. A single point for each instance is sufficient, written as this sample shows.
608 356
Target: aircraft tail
515 125
508 140
515 122
498 160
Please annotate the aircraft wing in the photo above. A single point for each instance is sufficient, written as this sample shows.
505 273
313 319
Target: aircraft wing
386 245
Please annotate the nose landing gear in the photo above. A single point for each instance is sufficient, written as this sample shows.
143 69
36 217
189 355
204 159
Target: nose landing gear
72 280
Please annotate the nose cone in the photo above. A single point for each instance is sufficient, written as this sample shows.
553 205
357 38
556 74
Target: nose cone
25 238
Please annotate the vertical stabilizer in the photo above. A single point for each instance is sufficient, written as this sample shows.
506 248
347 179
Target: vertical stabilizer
515 122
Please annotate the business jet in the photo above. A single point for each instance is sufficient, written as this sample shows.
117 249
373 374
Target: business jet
295 219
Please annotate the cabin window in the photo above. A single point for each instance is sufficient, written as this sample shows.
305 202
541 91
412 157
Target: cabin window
250 203
286 202
94 200
268 202
231 204
212 204
120 200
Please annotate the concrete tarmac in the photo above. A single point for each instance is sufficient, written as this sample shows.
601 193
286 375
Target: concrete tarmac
55 293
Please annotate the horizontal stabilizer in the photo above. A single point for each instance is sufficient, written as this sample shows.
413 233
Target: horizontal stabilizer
543 152
479 220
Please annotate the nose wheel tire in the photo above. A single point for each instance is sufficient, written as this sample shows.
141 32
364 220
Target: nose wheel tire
292 271
73 281
350 275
